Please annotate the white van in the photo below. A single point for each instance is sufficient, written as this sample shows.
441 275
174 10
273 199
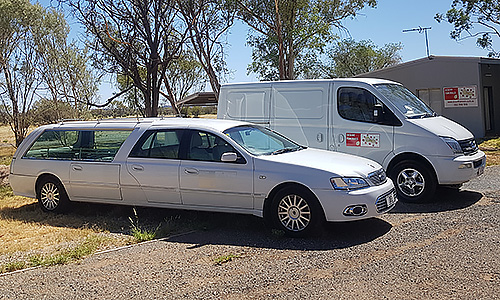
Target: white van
374 118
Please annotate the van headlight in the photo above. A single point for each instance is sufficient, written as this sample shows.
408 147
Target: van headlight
453 144
348 183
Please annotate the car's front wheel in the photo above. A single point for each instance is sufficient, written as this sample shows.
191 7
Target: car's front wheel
296 211
51 195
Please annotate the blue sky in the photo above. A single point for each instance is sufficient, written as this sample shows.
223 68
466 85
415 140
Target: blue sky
383 24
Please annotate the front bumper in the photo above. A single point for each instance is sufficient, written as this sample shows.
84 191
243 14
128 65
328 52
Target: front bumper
376 199
460 169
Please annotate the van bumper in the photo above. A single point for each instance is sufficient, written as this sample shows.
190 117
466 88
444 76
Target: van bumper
457 170
376 200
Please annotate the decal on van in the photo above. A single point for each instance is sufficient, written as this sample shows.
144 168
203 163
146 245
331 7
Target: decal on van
362 140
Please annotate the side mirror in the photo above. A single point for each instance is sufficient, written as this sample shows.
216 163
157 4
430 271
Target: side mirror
229 157
378 111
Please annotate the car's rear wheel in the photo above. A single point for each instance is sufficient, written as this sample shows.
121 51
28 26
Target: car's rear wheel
296 211
415 182
51 195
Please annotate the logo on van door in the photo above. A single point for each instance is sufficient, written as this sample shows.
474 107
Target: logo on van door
363 140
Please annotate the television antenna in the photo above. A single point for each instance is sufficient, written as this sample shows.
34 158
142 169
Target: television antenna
420 30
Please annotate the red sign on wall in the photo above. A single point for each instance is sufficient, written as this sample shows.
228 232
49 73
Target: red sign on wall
450 93
460 96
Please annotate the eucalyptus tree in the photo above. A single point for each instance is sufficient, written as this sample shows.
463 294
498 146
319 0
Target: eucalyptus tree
349 58
138 39
287 32
36 62
209 21
478 19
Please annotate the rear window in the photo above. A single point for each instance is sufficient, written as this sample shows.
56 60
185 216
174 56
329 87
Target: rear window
93 145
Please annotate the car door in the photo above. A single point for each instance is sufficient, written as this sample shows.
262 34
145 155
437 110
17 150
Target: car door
207 181
93 175
154 163
356 128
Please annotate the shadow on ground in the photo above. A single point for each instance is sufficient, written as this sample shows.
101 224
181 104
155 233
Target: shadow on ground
248 231
445 199
205 227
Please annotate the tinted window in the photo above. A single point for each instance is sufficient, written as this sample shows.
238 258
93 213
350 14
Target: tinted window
158 144
207 147
356 104
99 145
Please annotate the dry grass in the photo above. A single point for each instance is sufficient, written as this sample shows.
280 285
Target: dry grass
491 146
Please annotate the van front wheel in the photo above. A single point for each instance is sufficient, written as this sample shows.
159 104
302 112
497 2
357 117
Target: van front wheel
414 182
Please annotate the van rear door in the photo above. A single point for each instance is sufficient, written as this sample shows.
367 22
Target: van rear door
357 128
249 103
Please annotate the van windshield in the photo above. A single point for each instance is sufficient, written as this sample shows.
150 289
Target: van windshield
405 101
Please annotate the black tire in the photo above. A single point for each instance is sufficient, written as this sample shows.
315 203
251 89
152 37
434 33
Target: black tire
414 181
51 195
296 211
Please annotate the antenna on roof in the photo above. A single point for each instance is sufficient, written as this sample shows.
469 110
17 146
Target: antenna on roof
420 30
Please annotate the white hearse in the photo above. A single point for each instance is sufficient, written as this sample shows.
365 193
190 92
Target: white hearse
373 118
198 164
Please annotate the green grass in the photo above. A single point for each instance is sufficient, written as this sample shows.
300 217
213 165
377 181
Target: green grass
64 256
225 258
141 234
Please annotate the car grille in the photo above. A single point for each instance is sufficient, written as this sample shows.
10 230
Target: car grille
382 203
378 177
469 146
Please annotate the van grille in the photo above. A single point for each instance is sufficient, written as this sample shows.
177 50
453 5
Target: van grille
378 177
469 146
386 201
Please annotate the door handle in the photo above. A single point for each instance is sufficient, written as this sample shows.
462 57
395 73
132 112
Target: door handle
137 168
77 168
191 171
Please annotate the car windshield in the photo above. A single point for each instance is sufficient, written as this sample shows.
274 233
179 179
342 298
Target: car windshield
261 141
405 101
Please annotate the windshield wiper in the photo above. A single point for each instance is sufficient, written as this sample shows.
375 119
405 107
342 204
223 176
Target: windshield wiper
421 116
284 150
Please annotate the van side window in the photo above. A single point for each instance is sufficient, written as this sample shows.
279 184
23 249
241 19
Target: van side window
158 144
207 147
356 104
93 145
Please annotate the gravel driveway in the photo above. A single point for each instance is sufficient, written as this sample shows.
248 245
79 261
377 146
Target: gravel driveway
449 249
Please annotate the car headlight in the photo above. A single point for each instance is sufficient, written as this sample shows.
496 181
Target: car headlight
453 144
348 183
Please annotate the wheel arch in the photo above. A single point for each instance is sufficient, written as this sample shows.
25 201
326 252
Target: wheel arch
45 176
413 157
284 185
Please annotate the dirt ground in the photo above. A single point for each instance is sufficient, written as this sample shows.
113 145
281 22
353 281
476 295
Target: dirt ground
447 249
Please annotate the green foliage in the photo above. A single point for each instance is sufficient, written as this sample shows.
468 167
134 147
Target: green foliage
46 111
303 31
37 62
474 18
349 58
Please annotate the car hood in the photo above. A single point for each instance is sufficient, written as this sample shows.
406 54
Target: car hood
444 127
333 162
